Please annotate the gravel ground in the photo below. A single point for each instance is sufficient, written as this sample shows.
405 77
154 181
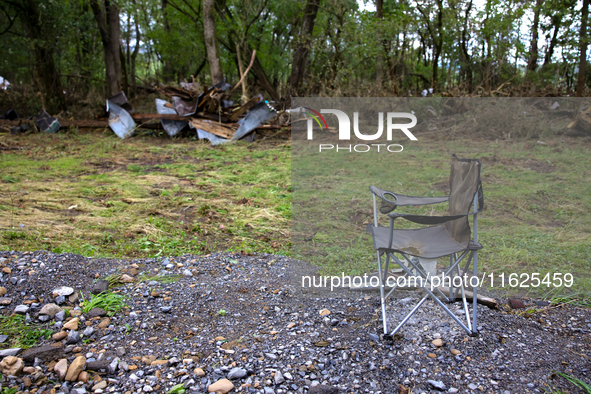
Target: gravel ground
243 318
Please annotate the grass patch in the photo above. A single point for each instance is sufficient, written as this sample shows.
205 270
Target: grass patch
163 279
578 383
110 302
20 334
96 195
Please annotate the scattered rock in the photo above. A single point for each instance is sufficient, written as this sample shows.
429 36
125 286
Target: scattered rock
222 385
515 303
10 352
63 291
199 372
455 352
101 286
3 291
104 323
75 368
96 312
73 337
11 365
72 324
237 373
279 378
323 389
44 353
437 342
58 336
61 368
126 279
21 309
437 384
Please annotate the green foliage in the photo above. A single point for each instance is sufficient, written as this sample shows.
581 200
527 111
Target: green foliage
110 302
177 389
20 333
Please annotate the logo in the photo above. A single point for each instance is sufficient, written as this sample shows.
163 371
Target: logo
345 124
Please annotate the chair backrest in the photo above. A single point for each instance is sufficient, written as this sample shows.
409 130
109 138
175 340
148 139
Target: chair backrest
464 182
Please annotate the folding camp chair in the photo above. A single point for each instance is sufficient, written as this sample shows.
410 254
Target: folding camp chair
448 236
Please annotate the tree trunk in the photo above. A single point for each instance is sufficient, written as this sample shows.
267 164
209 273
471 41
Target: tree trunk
303 47
550 52
106 15
46 74
583 46
211 44
134 54
379 57
532 64
168 72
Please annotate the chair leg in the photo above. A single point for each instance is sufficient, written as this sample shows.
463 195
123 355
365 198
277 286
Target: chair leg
474 295
382 299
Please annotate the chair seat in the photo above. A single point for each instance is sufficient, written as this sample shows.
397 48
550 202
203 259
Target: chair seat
429 242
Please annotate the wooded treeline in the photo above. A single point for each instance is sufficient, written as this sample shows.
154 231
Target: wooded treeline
68 49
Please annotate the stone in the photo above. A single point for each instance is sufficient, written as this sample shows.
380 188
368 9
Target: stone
45 353
97 365
432 355
60 300
73 298
437 342
99 386
223 385
22 309
3 291
3 338
6 270
75 368
455 352
50 309
126 279
324 312
11 365
515 303
5 301
58 336
60 316
83 377
323 389
61 368
101 286
88 331
472 386
148 360
120 351
279 378
199 372
78 390
237 373
438 384
112 368
72 324
187 273
104 323
10 352
73 337
158 362
63 291
96 312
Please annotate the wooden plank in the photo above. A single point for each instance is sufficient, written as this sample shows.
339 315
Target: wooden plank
249 104
218 129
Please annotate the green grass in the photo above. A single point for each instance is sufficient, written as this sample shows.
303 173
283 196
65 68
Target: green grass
110 302
163 279
21 334
96 195
578 383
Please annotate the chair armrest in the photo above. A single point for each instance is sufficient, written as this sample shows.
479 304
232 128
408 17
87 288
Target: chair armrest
421 219
391 200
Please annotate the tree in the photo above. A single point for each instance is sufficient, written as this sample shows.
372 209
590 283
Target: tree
106 15
303 47
211 44
42 41
532 63
583 48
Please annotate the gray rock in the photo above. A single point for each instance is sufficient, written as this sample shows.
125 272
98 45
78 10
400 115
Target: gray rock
44 318
269 390
112 368
101 286
123 366
3 338
22 309
98 365
438 384
88 331
60 300
79 390
96 312
323 389
472 386
279 377
63 291
237 373
73 337
120 351
46 353
10 352
60 316
187 272
166 309
374 338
